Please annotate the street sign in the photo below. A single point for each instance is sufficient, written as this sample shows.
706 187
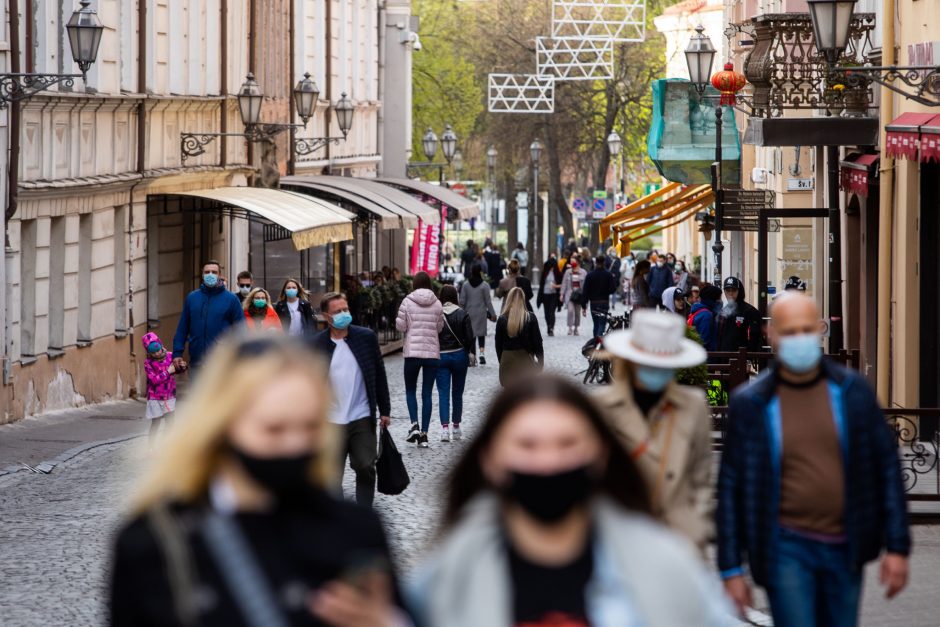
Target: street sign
579 207
800 185
599 208
649 188
748 224
764 197
459 188
600 193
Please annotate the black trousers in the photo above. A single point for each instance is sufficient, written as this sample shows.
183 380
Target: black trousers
360 444
550 305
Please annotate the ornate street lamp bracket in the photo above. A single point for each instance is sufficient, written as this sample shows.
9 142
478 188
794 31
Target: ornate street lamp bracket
307 145
19 86
923 81
194 144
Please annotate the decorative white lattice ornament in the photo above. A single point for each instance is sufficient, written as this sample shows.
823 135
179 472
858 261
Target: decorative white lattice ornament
620 20
521 93
574 58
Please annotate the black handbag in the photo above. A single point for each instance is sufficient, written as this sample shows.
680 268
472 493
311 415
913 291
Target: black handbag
392 475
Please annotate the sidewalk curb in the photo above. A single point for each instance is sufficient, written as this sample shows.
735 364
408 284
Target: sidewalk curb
46 467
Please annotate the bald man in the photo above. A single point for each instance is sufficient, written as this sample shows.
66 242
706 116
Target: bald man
810 486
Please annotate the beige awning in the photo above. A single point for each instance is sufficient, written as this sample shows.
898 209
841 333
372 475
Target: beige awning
311 221
464 207
385 218
392 199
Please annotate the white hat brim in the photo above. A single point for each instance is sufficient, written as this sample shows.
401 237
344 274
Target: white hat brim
619 344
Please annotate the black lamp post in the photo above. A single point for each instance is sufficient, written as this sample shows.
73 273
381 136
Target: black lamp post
615 145
699 56
491 171
535 151
84 30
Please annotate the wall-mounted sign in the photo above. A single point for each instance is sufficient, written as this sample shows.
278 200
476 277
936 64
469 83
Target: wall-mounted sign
579 207
600 193
800 185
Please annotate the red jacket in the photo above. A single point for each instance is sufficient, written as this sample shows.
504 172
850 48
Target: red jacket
270 320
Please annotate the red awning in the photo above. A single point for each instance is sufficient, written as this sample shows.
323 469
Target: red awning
904 133
856 171
930 140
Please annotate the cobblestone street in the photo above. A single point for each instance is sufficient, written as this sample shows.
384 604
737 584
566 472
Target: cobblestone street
56 529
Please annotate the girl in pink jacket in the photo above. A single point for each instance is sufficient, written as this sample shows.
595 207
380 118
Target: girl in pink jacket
420 318
161 385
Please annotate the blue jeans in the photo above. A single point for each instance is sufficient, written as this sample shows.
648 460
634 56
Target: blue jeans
452 368
413 365
812 584
599 316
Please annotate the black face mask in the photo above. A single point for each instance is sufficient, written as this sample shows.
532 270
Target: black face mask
549 498
283 476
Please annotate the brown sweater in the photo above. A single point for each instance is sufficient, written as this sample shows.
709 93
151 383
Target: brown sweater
812 482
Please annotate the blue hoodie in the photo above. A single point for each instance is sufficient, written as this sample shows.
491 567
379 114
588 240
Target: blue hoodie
207 313
704 324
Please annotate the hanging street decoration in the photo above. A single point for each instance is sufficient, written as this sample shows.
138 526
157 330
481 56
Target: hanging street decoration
521 93
729 83
574 58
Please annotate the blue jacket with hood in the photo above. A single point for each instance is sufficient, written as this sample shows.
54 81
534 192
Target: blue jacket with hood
207 313
704 324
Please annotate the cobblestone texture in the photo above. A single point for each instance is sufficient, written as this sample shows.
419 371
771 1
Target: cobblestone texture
56 530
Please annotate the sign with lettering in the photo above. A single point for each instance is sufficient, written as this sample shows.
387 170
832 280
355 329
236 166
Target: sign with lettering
800 185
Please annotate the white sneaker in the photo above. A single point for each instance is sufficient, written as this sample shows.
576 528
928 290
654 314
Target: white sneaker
577 331
570 331
445 433
455 433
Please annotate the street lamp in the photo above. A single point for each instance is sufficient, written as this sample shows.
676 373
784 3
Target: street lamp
831 20
535 151
84 31
429 144
614 145
699 55
491 157
250 97
490 169
344 110
449 143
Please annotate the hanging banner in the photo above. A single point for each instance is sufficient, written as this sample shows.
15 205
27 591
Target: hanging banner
426 246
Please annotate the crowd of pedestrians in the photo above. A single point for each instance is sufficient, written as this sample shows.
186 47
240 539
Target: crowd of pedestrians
566 508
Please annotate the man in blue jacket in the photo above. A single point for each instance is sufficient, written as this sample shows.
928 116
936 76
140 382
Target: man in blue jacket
208 312
660 279
702 316
810 486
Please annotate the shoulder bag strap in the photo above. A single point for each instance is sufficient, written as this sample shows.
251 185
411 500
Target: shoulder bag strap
241 572
446 322
179 564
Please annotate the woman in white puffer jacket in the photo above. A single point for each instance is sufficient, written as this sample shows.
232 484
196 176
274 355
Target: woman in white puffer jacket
420 318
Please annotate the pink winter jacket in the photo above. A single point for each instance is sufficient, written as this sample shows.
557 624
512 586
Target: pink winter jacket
421 318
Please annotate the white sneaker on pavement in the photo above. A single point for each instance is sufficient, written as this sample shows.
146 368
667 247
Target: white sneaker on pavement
455 433
445 433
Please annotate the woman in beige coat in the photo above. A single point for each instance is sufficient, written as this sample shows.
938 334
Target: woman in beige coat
665 426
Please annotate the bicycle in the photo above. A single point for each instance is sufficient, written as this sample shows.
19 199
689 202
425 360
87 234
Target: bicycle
599 370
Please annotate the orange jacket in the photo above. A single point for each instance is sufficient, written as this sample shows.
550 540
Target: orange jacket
270 320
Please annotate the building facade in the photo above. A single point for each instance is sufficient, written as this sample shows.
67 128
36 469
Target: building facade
96 255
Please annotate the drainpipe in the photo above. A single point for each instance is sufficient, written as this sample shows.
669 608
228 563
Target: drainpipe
885 216
223 83
13 136
329 79
292 72
380 121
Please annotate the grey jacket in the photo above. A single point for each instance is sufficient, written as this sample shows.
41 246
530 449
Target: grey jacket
477 303
643 575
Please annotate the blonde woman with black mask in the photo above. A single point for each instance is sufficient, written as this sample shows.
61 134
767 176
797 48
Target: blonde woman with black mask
235 524
518 339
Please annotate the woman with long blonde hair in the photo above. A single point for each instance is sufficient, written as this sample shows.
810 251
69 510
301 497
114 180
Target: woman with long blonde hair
259 314
234 524
518 339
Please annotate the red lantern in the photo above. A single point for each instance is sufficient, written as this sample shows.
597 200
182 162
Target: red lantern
728 82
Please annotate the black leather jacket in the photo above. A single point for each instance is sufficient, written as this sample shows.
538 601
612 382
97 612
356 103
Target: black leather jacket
462 336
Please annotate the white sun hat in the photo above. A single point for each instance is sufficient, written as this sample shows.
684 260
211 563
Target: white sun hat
655 339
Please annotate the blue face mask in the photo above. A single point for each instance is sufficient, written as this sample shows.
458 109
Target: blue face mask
211 280
799 353
342 320
290 292
654 379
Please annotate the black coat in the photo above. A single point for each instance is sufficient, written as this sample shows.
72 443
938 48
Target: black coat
365 346
316 540
598 286
529 339
743 329
457 333
307 320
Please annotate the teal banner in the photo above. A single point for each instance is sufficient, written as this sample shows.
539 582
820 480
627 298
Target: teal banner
681 142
